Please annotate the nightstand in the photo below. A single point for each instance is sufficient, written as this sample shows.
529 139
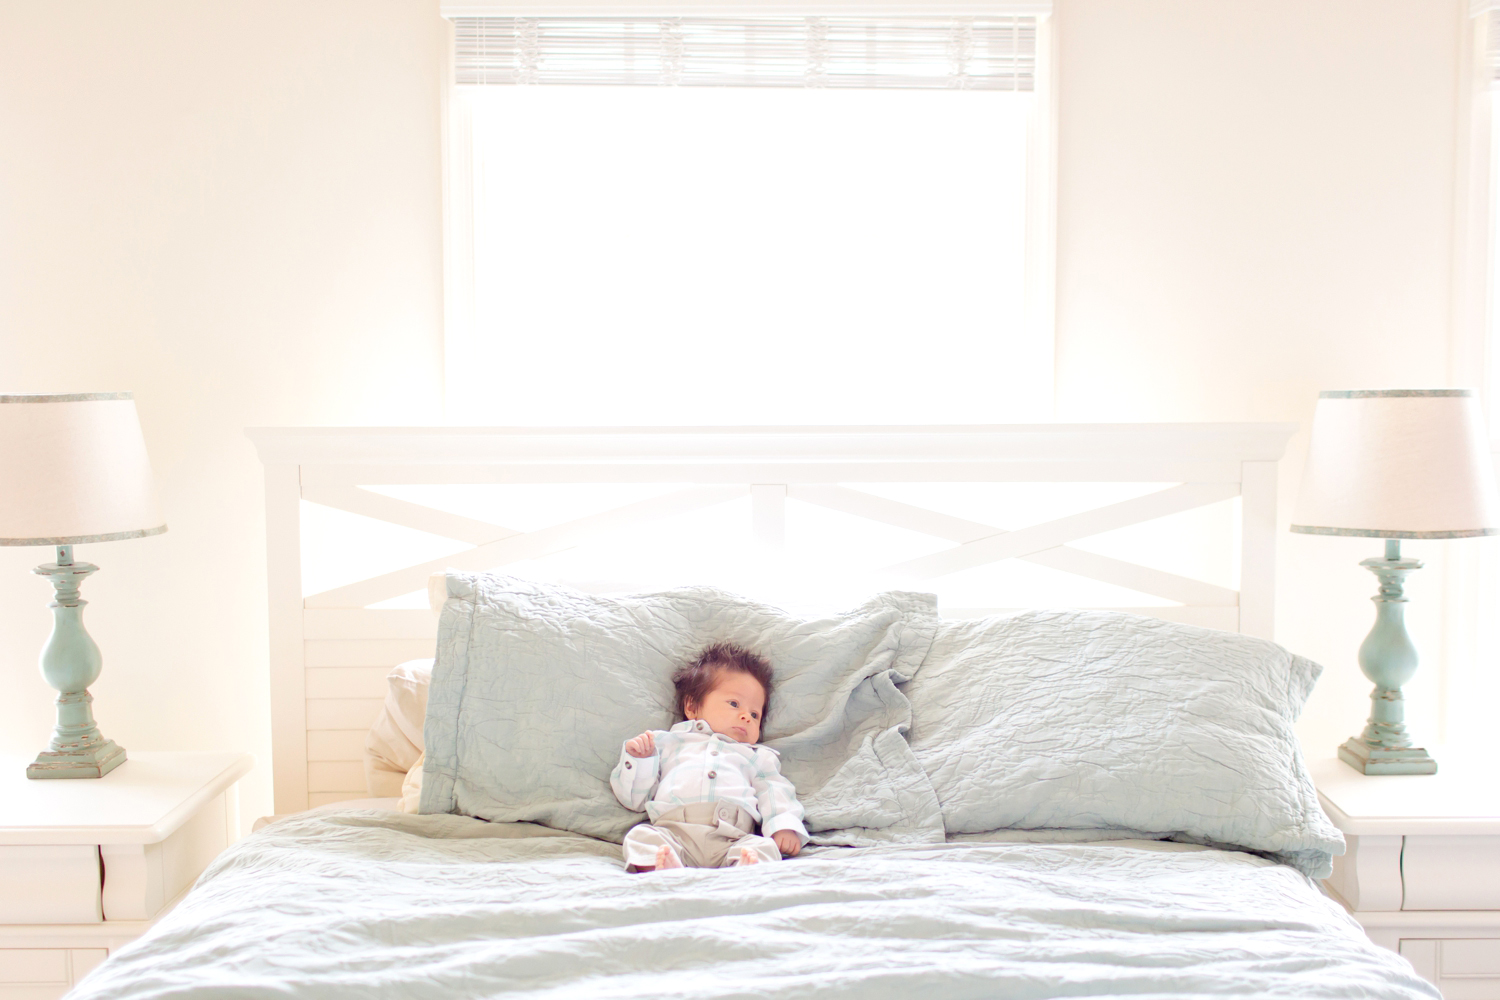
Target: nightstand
1422 873
87 864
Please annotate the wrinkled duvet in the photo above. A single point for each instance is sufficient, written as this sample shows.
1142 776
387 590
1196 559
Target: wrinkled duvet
388 905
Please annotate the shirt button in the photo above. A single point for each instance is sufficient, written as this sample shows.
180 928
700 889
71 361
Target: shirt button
713 774
713 753
627 765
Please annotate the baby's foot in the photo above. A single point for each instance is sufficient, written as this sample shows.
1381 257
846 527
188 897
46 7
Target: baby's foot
748 857
667 858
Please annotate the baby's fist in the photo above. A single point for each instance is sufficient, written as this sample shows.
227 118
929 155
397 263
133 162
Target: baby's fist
643 745
787 842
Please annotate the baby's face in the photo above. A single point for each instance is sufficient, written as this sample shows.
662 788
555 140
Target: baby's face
734 707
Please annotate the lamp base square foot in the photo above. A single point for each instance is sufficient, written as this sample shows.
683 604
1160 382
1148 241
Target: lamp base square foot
1367 759
95 762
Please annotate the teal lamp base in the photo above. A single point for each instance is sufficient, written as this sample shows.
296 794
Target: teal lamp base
70 663
1388 657
1369 759
83 762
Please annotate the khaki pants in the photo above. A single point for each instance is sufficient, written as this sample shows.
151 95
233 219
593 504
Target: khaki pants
704 835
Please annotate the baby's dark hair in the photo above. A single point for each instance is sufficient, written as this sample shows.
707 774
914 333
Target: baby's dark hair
697 679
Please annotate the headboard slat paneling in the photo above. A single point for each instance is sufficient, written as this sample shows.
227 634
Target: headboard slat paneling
349 682
341 623
336 744
342 713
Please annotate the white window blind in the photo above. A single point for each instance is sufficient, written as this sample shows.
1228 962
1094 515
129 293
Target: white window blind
969 53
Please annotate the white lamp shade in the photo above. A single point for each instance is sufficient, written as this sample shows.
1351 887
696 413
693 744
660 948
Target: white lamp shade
73 468
1398 463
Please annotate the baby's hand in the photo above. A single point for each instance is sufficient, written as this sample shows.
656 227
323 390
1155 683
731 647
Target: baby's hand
787 842
643 745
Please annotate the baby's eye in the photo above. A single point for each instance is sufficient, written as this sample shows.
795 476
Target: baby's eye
755 715
733 703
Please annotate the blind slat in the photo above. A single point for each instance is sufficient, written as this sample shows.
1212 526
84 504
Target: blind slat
988 53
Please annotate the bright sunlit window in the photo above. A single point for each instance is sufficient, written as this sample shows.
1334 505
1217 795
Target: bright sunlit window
744 254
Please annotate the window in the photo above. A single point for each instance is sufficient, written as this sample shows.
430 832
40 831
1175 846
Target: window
779 221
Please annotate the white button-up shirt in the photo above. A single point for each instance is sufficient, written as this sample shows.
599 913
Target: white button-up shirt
693 764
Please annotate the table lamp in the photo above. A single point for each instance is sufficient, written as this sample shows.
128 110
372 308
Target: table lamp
1394 464
73 469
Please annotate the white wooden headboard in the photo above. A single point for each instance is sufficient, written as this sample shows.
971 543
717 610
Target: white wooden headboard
330 651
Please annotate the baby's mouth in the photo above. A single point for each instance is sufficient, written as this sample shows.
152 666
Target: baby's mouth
741 730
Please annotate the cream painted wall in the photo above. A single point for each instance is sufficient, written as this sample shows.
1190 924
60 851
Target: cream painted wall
234 210
1255 202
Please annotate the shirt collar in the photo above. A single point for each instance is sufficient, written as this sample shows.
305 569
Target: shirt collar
699 726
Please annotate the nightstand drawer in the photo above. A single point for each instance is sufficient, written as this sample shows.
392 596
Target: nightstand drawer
33 965
1471 958
44 973
1450 873
54 884
1463 968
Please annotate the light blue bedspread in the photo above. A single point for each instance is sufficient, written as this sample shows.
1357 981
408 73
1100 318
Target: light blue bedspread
386 905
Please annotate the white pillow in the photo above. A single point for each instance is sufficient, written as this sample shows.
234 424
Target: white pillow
394 743
411 788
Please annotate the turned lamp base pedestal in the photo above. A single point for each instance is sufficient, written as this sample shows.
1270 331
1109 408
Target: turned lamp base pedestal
1388 658
70 663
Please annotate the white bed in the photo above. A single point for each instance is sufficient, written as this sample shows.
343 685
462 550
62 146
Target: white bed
375 903
370 905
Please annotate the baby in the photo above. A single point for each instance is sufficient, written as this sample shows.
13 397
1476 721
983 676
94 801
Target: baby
704 783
